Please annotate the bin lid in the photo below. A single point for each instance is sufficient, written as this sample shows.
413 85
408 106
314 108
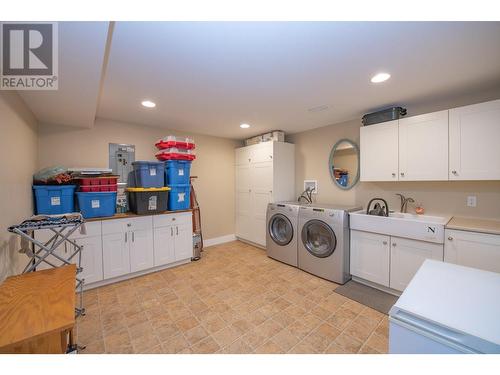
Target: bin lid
139 189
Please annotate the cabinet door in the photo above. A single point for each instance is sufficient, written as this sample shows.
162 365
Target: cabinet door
263 152
370 256
115 254
183 242
262 195
472 249
91 259
474 136
379 152
243 202
242 156
141 249
406 258
423 147
164 250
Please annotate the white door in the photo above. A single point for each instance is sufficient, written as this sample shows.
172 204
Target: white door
183 241
472 249
243 202
91 259
423 147
370 256
474 142
141 249
164 252
116 254
406 258
379 152
262 195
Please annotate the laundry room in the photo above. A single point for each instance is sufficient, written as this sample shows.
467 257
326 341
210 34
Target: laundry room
249 187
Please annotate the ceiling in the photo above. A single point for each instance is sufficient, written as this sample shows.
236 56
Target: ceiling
209 77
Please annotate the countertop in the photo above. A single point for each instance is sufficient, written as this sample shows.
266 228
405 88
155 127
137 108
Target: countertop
474 225
131 214
36 304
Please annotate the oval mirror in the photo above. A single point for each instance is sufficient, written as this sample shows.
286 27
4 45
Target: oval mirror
344 164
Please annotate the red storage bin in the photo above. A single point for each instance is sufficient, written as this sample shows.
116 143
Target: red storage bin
98 188
173 141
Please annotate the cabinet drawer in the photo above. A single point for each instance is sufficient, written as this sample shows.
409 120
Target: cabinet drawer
171 219
129 224
93 229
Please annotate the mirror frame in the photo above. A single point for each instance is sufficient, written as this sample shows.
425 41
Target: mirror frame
330 163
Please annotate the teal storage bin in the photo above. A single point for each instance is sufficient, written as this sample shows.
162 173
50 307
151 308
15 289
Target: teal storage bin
179 197
97 204
54 199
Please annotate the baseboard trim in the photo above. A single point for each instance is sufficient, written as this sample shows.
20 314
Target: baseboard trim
219 240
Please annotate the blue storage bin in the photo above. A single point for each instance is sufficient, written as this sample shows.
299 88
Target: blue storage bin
177 172
149 174
97 204
178 198
54 199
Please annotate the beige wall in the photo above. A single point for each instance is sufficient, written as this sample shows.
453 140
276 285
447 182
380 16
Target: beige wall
214 166
18 153
449 197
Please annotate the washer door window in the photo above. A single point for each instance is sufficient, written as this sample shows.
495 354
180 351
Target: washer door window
280 229
319 238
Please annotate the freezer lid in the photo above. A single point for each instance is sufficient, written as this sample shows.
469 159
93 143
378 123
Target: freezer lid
455 302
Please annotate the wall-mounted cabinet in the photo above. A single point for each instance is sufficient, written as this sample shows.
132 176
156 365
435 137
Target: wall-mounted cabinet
474 142
455 144
265 173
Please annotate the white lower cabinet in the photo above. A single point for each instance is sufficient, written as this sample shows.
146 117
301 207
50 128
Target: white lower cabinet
141 250
173 238
116 254
91 258
472 249
370 256
389 261
406 258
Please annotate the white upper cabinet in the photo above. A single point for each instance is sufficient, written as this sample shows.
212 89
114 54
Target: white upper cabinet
379 152
474 142
423 147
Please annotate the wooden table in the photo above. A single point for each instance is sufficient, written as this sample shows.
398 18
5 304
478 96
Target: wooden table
37 311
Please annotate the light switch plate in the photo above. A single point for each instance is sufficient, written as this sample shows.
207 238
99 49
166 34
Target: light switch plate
313 184
471 201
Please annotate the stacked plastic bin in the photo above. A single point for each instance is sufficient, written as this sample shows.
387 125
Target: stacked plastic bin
96 195
147 193
178 154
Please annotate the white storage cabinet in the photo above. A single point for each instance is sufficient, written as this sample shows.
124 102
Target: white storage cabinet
389 261
472 249
173 238
265 173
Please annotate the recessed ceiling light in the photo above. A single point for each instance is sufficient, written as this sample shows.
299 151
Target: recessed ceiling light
380 77
244 126
148 103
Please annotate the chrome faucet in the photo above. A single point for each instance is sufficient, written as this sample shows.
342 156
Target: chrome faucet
404 202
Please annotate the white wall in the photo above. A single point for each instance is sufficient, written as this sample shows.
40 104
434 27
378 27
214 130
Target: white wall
18 155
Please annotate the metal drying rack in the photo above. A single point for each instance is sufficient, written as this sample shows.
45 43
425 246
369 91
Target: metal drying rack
62 226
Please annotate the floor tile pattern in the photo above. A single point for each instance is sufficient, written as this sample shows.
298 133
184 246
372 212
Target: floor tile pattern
234 300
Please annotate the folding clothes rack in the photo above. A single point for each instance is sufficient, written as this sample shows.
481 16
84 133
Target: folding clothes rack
63 226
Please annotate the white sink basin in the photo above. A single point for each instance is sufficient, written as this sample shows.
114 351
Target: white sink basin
417 227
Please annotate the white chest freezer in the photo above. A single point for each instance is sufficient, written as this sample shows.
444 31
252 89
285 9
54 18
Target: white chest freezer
447 308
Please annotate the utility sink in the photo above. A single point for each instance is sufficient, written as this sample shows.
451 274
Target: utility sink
417 227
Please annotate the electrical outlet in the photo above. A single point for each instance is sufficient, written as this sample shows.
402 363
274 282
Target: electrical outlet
471 201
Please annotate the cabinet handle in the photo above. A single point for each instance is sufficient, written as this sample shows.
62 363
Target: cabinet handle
384 242
128 224
125 237
394 244
270 156
402 174
394 175
177 230
249 160
454 172
171 231
450 238
133 237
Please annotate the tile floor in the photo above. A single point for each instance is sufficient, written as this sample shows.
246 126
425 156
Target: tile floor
234 300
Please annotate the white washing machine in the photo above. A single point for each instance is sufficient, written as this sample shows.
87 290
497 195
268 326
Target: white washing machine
323 243
281 231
